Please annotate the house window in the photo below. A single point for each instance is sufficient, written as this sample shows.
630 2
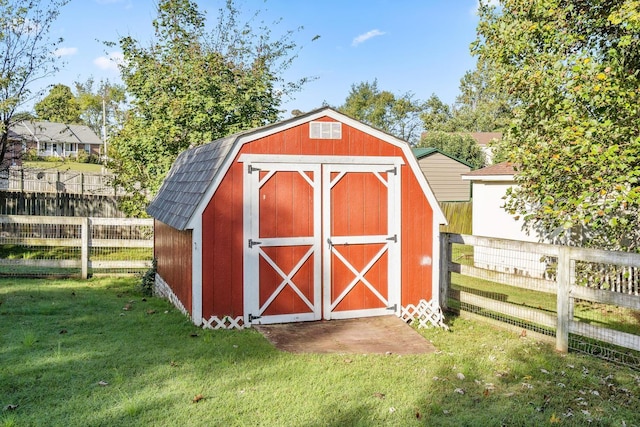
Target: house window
325 130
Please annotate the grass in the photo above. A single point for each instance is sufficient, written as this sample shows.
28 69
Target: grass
64 166
72 355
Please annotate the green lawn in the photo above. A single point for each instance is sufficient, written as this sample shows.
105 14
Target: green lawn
97 353
64 166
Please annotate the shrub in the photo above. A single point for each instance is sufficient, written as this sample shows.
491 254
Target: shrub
30 155
82 157
148 282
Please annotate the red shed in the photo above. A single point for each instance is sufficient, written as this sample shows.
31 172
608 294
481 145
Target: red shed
316 217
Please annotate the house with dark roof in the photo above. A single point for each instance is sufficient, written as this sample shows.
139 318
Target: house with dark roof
315 217
444 174
50 139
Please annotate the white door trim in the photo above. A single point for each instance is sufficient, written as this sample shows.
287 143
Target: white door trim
253 310
306 159
389 176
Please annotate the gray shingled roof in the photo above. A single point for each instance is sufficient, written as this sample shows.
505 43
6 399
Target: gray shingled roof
187 181
54 132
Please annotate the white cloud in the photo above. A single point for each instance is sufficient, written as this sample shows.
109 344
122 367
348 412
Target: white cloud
366 36
110 61
65 51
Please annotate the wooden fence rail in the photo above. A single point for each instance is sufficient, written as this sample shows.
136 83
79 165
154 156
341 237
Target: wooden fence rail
564 283
83 235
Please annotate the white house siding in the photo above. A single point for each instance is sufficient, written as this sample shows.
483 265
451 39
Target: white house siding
444 175
491 220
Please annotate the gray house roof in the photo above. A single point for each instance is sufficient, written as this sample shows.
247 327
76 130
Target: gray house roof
54 133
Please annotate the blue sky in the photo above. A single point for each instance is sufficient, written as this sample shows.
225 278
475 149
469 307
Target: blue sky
418 46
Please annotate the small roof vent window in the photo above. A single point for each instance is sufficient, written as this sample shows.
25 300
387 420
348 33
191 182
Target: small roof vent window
325 130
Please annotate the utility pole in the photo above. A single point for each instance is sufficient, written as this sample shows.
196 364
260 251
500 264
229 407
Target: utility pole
104 127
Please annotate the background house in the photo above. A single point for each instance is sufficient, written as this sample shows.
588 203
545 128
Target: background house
484 140
444 174
490 219
50 139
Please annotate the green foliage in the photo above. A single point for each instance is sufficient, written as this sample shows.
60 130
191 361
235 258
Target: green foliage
459 145
573 70
94 100
148 280
59 106
480 107
30 155
25 49
397 115
189 87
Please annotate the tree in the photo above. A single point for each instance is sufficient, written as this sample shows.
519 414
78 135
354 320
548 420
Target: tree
25 56
459 145
189 87
397 115
572 68
60 105
479 107
438 116
104 104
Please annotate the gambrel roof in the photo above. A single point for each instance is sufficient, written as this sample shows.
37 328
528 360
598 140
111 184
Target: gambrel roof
189 177
197 172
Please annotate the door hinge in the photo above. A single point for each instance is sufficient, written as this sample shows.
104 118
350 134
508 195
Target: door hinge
253 243
252 317
393 307
393 238
250 169
393 171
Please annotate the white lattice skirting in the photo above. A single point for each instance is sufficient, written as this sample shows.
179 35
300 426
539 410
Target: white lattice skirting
426 313
226 322
163 290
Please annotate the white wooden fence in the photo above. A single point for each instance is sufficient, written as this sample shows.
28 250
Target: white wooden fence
562 274
82 243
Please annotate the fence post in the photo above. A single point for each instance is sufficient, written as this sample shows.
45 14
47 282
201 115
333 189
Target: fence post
445 274
84 237
563 309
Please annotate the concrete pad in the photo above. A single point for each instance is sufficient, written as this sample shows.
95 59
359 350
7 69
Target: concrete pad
367 335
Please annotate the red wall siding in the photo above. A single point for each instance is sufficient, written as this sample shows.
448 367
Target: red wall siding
222 243
172 250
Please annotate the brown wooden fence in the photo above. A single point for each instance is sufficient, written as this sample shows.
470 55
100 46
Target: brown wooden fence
58 204
581 299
